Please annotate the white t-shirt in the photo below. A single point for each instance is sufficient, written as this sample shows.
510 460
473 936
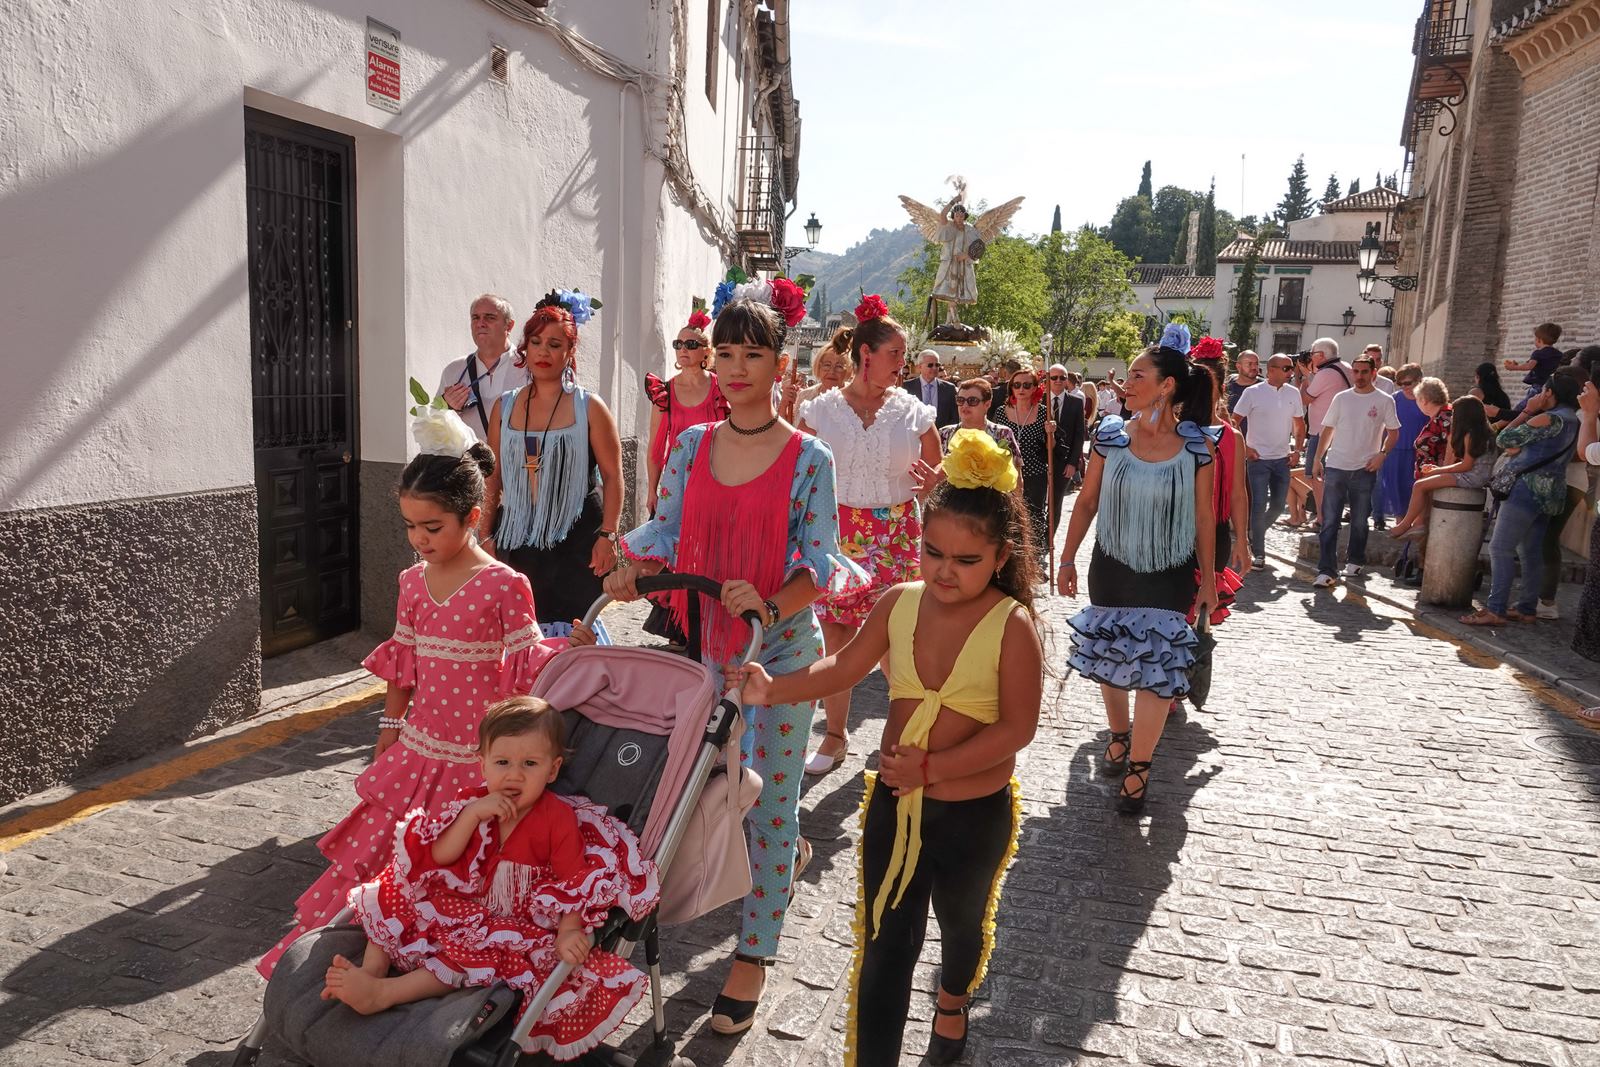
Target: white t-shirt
1108 401
872 467
1271 414
1385 385
505 377
1359 421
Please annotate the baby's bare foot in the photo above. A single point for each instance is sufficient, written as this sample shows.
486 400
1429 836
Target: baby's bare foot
361 991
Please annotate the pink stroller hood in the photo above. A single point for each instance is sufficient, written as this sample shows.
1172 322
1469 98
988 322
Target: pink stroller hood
639 689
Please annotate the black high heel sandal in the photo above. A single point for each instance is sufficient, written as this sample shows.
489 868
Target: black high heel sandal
1132 803
1114 766
730 1016
943 1049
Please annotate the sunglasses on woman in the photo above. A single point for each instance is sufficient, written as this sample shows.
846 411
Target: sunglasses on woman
970 401
1025 385
690 344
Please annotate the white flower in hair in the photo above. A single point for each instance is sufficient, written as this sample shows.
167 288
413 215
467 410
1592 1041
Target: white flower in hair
759 290
437 429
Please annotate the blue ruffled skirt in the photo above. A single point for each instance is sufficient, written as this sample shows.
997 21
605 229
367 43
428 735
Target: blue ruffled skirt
1135 633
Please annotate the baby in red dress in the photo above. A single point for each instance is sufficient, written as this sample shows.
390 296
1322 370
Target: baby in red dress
503 886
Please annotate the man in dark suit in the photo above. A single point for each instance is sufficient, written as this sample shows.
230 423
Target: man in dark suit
1071 430
934 391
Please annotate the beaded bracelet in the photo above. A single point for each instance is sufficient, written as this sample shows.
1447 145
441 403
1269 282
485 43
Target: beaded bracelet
386 723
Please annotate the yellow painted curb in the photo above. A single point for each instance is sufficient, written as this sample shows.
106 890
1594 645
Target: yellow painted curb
35 824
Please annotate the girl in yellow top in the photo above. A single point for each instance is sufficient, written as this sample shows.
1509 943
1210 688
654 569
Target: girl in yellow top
939 821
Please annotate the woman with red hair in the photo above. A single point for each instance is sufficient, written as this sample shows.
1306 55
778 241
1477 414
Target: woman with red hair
546 513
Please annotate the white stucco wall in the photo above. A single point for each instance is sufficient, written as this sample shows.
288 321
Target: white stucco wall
122 218
1329 290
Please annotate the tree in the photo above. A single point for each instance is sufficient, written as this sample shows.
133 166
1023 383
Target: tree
1120 336
1355 187
1169 222
1131 226
1088 283
1193 318
1296 203
1012 289
1205 255
916 285
1144 182
1055 223
1332 191
1242 327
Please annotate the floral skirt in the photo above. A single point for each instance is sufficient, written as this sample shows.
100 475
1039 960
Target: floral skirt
884 542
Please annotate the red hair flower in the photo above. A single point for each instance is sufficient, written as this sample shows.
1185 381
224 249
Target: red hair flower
1206 349
789 300
871 307
699 320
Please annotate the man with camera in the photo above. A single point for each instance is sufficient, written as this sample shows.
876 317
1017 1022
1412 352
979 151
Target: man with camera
471 384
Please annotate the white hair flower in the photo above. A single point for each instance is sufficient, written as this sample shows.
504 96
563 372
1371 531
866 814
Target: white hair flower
437 429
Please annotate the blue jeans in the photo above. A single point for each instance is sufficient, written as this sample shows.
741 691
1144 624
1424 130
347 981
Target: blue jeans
1338 489
1518 535
1269 492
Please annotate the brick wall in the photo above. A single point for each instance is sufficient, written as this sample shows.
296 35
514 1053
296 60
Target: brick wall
1552 268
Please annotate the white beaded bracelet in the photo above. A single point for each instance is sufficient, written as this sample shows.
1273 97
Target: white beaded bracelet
386 723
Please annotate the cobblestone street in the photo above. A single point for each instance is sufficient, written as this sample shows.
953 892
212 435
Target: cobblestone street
1374 847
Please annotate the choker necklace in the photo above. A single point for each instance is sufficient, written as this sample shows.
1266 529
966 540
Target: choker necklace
763 428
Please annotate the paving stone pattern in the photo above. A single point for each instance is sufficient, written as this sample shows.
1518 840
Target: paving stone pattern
1373 848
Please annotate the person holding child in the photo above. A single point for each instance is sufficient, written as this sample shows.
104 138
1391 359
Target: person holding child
545 515
940 819
464 635
749 502
504 885
1154 559
1540 364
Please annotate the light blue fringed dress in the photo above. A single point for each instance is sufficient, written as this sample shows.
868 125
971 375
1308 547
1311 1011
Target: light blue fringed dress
1143 575
547 526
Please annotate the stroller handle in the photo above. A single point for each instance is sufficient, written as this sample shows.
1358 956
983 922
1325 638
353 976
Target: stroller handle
696 583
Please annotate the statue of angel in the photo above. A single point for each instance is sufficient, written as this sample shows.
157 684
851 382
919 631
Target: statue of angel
961 241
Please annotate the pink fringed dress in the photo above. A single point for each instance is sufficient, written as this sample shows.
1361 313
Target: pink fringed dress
458 657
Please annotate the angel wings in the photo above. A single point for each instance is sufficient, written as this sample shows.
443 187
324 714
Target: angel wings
961 241
989 224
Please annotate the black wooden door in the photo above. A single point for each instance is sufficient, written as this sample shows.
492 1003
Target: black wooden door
301 207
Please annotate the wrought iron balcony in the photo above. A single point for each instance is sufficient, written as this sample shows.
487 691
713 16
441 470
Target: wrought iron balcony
1442 45
1290 311
761 213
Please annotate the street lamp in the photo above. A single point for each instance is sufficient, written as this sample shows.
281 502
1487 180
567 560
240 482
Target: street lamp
1364 280
1367 252
813 230
1349 318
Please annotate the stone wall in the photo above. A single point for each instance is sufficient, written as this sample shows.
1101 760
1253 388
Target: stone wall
128 626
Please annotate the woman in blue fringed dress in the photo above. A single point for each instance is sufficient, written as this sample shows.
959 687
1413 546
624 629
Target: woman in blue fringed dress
1149 481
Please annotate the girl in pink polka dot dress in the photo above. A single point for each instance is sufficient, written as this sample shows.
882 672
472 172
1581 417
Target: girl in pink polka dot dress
464 636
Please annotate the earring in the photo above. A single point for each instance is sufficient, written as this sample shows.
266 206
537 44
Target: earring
569 379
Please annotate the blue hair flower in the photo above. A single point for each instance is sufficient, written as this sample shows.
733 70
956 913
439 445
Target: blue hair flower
723 295
1176 337
579 304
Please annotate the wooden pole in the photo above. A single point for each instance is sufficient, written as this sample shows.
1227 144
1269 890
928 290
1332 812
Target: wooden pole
1050 487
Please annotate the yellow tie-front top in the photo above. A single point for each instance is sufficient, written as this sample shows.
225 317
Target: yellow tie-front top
973 690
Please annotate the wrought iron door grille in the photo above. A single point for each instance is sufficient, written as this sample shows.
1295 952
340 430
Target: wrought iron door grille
294 241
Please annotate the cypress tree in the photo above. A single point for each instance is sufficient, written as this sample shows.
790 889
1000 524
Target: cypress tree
1206 242
1355 187
1242 326
1296 203
1055 224
1332 191
1144 183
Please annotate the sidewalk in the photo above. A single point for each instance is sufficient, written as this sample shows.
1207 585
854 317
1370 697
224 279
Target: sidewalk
1541 649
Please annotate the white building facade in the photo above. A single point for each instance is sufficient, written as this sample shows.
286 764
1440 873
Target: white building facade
1306 282
230 233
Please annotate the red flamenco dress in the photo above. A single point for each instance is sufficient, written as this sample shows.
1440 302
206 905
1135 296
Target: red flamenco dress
492 915
1228 443
676 416
457 658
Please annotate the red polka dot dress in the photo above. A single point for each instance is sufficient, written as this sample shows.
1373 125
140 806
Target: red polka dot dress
457 656
492 915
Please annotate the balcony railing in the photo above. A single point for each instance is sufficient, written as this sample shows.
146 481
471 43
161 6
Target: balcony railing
1290 311
761 213
1442 44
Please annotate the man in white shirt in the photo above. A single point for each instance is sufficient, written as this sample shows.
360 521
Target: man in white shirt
1274 417
471 384
1357 433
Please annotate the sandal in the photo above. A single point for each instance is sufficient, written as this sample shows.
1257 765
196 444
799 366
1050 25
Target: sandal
1482 617
1132 803
802 860
1110 765
818 763
943 1050
1516 616
730 1016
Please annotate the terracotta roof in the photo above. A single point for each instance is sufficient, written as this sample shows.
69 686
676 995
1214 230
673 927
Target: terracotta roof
1186 287
1525 19
1380 199
1152 273
1282 250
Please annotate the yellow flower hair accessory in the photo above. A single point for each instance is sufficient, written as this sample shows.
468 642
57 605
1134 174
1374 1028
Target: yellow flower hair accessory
977 461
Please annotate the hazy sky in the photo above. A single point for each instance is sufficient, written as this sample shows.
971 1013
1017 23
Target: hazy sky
1062 101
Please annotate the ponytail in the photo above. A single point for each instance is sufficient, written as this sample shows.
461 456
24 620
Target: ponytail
1196 397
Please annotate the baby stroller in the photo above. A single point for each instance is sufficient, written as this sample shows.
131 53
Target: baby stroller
645 729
